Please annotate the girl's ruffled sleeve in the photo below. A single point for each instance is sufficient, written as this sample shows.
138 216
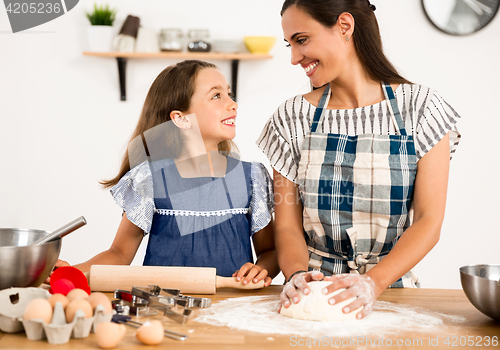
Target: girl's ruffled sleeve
134 194
261 203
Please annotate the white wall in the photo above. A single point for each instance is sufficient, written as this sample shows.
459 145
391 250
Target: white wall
63 127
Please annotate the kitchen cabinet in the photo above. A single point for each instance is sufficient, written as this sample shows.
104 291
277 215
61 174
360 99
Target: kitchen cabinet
122 57
475 326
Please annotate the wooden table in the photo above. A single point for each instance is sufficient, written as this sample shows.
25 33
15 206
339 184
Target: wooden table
451 302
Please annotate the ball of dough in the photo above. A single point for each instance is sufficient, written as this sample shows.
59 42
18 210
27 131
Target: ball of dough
315 307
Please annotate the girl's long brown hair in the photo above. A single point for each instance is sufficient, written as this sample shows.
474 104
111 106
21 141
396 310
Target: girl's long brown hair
366 35
171 90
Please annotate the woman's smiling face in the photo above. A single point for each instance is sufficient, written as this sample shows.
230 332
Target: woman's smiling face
321 51
214 107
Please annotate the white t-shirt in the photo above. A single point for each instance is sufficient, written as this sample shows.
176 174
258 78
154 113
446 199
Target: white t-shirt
427 116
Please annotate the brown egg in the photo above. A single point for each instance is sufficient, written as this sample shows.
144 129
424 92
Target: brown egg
78 304
97 298
38 309
108 334
150 333
54 298
77 294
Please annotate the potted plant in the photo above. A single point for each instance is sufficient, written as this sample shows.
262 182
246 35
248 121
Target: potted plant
100 32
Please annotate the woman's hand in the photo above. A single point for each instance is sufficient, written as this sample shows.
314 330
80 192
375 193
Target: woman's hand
298 281
357 286
251 271
59 263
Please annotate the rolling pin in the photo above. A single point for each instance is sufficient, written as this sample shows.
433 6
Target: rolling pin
194 280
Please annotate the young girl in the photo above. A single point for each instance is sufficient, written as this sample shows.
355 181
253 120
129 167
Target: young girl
179 184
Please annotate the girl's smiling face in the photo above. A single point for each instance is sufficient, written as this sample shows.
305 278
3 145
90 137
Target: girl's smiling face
214 108
321 51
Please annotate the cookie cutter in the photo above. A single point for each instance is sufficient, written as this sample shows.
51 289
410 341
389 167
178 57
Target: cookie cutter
123 307
154 291
129 304
181 317
127 296
169 297
192 302
166 299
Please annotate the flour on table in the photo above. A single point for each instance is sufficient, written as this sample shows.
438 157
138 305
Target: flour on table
315 307
260 314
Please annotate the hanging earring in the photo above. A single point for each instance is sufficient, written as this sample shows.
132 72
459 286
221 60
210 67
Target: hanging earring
343 33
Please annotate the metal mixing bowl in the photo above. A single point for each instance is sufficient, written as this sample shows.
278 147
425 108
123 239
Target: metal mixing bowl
481 284
22 264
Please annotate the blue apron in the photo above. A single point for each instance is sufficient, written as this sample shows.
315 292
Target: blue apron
357 193
201 222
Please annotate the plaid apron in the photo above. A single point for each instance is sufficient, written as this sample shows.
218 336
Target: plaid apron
357 193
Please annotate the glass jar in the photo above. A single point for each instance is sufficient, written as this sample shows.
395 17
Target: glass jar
171 39
198 40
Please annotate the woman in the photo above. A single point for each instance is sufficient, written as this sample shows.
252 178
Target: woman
357 162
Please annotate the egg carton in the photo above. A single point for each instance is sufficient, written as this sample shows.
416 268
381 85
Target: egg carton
58 331
13 302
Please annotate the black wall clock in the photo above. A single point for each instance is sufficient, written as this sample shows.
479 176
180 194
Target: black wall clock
460 17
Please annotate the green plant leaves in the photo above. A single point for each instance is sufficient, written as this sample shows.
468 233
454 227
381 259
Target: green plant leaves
102 15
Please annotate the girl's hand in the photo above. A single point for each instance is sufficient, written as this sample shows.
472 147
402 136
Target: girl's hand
298 281
59 263
357 286
251 271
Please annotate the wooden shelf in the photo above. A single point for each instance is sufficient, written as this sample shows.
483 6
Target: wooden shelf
184 55
122 57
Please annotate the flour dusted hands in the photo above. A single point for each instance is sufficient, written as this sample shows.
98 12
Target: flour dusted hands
357 286
298 281
255 272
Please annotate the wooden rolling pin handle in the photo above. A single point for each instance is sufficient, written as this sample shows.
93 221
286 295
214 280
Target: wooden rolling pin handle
231 282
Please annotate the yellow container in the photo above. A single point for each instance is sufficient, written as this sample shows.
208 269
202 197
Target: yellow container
259 44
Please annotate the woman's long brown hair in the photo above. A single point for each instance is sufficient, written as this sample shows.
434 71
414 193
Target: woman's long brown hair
171 90
366 35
